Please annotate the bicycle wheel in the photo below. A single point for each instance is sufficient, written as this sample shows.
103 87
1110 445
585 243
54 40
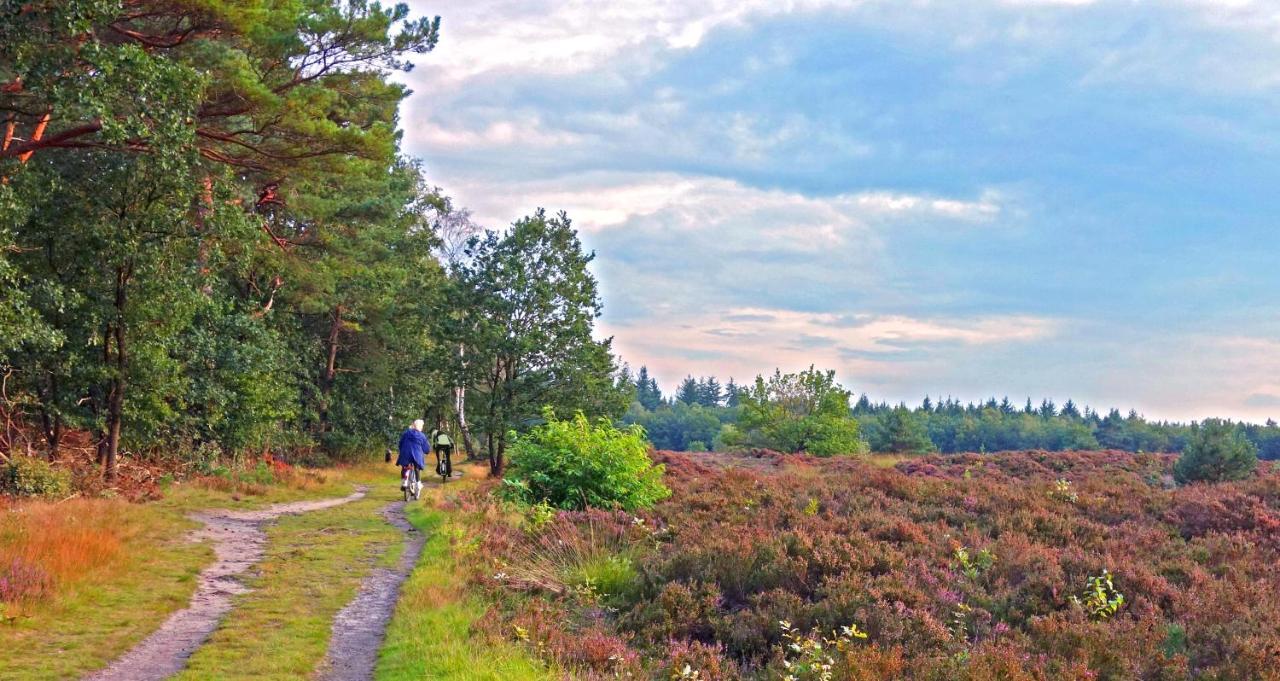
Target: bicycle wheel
408 484
446 467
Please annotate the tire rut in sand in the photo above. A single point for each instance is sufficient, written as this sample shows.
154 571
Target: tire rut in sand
239 543
359 629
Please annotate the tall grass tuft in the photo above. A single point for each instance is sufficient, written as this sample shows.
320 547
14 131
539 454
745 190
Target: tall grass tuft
45 546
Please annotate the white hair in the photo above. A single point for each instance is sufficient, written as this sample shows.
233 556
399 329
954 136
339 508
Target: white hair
418 423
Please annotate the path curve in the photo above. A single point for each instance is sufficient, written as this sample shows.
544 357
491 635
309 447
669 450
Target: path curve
358 630
239 542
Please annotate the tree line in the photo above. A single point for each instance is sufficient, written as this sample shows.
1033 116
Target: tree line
211 244
696 418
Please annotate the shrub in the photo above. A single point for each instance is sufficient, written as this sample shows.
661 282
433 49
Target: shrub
611 577
1101 598
804 412
30 477
1216 452
22 581
572 464
736 549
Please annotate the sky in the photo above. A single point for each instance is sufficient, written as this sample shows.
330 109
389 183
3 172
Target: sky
1032 198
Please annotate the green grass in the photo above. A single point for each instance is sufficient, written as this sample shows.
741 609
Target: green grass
93 621
314 565
280 630
429 637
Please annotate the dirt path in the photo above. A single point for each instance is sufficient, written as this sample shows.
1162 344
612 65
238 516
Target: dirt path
239 543
358 630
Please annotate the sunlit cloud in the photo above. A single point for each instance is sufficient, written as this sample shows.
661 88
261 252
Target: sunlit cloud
745 342
1047 198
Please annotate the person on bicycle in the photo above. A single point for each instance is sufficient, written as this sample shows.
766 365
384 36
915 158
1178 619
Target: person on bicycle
413 450
443 446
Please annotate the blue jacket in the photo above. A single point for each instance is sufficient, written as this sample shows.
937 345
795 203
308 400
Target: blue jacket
413 449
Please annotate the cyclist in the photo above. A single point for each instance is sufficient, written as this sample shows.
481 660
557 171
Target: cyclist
443 447
413 450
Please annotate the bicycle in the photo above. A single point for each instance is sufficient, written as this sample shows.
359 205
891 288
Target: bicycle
444 463
412 486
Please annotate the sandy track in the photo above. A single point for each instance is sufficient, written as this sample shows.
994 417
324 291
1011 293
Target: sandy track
358 630
239 543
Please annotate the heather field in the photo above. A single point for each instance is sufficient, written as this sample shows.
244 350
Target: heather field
1023 565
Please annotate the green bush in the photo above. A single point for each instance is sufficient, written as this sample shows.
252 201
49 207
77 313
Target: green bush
25 476
611 577
572 464
1216 452
804 412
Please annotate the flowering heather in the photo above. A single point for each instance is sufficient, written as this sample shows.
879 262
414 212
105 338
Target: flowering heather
959 567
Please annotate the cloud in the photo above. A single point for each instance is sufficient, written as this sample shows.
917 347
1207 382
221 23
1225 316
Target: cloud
1052 197
669 243
550 37
675 202
751 341
560 37
1263 400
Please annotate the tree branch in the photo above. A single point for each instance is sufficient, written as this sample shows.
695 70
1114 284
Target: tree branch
24 150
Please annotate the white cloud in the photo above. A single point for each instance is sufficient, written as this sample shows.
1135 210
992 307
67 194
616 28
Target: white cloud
554 37
551 36
502 134
675 202
744 342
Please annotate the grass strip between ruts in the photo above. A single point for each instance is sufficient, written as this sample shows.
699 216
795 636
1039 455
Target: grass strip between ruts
314 565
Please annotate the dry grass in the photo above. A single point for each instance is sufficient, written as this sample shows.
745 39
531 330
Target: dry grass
47 546
99 575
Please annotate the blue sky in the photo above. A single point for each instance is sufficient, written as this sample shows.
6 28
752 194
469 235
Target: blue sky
990 197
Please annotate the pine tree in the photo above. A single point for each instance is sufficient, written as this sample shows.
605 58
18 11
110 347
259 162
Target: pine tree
904 434
688 391
731 393
1217 452
709 392
647 392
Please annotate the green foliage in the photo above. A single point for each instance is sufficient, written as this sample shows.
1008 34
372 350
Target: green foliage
610 577
647 392
804 412
26 476
973 565
1062 491
1216 452
538 516
902 433
214 242
573 464
678 426
813 656
1100 598
525 303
